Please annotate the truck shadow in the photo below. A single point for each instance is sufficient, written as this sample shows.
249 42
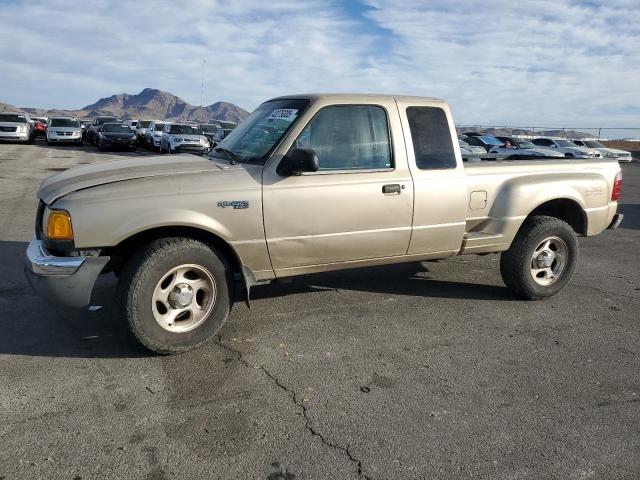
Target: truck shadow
411 279
31 327
631 214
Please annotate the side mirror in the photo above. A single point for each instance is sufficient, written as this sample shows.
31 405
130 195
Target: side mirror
301 160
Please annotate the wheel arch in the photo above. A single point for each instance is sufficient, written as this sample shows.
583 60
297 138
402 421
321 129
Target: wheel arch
121 252
565 209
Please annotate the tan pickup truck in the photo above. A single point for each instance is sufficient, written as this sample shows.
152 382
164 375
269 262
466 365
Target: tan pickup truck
307 183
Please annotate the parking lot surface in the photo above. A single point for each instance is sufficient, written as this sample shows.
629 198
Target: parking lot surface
422 370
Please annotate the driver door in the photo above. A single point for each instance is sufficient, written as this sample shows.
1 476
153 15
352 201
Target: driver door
357 206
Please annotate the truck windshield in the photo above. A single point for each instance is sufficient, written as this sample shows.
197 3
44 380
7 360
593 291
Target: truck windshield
254 139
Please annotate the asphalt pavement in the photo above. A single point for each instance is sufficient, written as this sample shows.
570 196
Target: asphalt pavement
422 370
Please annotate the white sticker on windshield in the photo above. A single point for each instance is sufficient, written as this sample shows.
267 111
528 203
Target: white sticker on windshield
283 114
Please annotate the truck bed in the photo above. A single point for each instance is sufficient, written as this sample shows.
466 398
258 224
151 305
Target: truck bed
503 193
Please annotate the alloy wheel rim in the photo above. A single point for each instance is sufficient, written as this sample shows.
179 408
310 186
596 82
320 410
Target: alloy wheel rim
183 298
549 261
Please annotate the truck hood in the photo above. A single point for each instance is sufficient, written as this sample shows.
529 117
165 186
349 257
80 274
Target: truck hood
80 178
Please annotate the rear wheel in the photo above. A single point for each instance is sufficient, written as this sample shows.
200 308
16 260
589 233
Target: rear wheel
541 259
174 294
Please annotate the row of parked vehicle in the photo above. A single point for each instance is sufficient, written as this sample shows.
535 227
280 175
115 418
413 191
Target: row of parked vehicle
474 145
110 132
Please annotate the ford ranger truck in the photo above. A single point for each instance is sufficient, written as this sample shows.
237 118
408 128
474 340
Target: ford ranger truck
307 183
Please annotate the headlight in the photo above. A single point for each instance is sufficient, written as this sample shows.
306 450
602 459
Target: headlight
59 225
21 128
176 139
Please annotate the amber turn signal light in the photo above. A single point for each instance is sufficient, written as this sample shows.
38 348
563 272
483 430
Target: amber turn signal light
59 226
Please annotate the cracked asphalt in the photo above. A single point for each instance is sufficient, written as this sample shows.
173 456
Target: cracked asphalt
423 370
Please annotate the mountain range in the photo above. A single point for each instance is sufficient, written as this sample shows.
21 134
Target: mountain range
150 104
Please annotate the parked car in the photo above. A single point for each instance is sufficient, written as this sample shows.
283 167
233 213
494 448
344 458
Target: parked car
153 136
116 136
520 147
64 130
620 155
141 130
484 141
84 124
470 148
569 149
39 126
96 126
132 124
183 137
307 184
16 127
213 132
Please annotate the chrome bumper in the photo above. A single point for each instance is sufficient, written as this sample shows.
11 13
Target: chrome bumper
64 281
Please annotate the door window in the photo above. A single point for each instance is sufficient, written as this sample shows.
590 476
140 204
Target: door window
349 137
431 138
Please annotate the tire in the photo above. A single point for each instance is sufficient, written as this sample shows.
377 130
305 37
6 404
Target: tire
147 271
523 274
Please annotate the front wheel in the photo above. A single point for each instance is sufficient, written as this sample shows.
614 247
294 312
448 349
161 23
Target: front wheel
174 294
541 259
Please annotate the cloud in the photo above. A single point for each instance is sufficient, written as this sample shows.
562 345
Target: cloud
531 63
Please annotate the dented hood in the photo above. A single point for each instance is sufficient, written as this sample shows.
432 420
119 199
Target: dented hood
87 176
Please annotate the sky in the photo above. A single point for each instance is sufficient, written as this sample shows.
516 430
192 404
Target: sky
533 63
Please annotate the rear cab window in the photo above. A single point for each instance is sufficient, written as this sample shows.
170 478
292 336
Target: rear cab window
431 138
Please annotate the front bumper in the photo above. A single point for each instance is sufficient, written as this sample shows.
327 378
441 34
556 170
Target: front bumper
16 136
65 139
63 281
189 147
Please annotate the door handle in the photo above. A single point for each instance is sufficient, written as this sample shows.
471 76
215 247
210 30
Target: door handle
392 188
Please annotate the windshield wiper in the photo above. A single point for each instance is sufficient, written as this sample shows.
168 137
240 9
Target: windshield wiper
229 155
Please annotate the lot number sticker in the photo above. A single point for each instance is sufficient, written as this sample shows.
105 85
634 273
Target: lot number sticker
287 114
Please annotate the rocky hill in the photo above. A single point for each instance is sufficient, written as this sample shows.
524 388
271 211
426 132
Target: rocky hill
150 103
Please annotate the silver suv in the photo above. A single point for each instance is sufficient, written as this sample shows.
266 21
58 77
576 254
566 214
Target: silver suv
16 127
183 137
